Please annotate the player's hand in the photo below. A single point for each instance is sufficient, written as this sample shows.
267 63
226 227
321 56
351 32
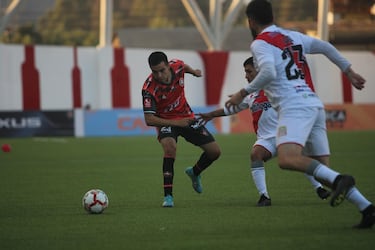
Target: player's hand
204 118
234 100
184 122
356 80
197 73
198 122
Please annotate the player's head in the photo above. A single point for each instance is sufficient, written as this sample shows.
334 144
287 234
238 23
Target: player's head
259 13
158 62
156 58
250 71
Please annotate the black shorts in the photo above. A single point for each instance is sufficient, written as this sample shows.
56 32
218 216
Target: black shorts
197 136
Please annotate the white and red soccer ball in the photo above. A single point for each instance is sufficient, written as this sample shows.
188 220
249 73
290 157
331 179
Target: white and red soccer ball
95 201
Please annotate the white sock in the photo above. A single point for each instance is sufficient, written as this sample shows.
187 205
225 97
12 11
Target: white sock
322 172
259 177
355 197
313 182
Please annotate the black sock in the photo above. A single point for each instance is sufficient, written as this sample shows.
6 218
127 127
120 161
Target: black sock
202 164
168 175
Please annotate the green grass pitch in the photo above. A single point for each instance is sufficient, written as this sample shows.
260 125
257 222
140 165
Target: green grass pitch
43 181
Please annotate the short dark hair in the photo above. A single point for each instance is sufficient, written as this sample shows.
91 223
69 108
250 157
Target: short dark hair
260 11
249 61
156 58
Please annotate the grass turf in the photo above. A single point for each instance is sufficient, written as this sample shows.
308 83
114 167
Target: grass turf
43 181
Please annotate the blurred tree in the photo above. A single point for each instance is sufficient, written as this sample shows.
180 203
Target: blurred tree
73 22
25 34
295 10
154 14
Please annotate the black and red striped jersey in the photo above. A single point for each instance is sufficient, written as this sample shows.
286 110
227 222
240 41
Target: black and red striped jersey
167 101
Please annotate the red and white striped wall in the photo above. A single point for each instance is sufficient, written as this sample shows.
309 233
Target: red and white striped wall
53 78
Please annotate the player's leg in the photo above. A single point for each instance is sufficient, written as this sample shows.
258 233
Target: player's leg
294 129
211 151
321 191
343 187
321 154
168 142
319 147
262 151
325 161
290 157
290 137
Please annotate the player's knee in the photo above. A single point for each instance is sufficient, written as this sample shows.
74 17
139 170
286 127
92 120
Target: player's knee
215 154
285 162
170 150
256 156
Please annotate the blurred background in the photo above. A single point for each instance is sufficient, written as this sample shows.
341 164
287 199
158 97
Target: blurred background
71 67
71 22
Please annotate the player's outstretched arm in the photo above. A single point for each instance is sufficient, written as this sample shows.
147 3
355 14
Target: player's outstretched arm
206 117
194 72
153 120
327 49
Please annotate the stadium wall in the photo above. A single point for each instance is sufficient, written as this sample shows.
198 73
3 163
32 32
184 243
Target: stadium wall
46 77
55 78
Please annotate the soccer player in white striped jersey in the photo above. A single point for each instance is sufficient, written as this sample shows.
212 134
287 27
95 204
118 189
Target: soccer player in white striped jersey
265 124
280 59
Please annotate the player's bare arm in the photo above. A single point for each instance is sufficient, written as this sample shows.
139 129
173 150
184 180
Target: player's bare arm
206 117
194 72
153 120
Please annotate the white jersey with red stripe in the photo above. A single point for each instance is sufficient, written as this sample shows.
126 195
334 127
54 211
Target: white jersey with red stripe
264 116
285 50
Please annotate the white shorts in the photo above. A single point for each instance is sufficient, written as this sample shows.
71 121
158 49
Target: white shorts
306 127
269 144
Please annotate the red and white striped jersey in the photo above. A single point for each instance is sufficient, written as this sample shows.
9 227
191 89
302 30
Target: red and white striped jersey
285 51
264 116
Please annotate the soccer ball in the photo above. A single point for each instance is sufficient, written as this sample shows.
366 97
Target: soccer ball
95 201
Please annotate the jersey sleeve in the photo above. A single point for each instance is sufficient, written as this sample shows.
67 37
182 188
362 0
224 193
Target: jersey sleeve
265 65
149 103
327 49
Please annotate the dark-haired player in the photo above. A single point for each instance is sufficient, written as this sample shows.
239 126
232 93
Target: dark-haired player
166 108
280 58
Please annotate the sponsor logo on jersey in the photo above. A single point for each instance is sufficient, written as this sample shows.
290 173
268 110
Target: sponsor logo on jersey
147 102
173 105
257 106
